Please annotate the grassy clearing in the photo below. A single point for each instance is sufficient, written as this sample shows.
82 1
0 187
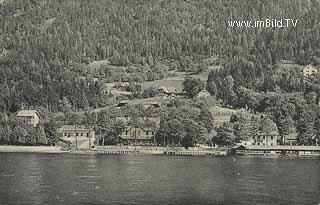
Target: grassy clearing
175 81
96 64
215 109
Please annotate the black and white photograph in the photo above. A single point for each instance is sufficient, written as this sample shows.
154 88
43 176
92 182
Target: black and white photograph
159 102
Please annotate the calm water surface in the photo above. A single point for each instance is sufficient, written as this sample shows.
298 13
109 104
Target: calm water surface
79 179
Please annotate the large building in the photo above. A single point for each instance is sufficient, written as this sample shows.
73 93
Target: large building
70 132
142 134
29 117
262 139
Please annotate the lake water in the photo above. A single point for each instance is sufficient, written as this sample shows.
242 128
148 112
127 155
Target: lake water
80 179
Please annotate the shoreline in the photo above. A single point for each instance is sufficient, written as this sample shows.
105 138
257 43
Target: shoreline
121 150
115 150
31 149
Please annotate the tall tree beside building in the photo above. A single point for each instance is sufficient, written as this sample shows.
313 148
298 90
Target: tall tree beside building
206 118
212 88
305 127
192 86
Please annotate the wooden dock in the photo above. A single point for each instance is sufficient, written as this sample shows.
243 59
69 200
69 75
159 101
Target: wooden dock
185 152
278 149
172 151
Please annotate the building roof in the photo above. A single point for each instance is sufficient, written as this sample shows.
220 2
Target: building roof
27 113
203 93
144 120
138 137
73 128
168 90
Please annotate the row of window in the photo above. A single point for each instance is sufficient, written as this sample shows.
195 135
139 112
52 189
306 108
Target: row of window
263 137
259 144
77 134
139 132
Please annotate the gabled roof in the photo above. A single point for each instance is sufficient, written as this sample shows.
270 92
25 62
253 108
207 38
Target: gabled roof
27 113
203 93
168 89
144 120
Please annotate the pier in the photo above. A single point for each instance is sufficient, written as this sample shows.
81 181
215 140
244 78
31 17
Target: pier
278 149
172 151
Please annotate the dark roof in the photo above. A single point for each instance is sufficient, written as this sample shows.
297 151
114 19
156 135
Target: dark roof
73 128
144 120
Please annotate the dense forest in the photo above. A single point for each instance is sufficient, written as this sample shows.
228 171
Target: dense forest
46 46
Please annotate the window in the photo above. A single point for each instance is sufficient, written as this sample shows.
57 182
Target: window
65 134
77 134
81 134
147 132
126 132
264 137
87 135
271 144
272 137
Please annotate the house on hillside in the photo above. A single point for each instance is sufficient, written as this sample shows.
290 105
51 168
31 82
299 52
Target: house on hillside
167 91
155 105
29 117
145 105
71 132
203 94
4 53
142 134
123 103
310 71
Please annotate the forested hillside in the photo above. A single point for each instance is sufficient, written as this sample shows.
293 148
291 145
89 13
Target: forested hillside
45 45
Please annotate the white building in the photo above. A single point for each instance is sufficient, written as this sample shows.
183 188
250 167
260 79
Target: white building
30 117
310 70
70 132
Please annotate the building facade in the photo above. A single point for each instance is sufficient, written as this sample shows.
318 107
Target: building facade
310 71
167 91
29 117
70 132
142 134
262 139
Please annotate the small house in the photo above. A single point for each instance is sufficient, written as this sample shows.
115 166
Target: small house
310 71
167 91
203 94
123 103
29 117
